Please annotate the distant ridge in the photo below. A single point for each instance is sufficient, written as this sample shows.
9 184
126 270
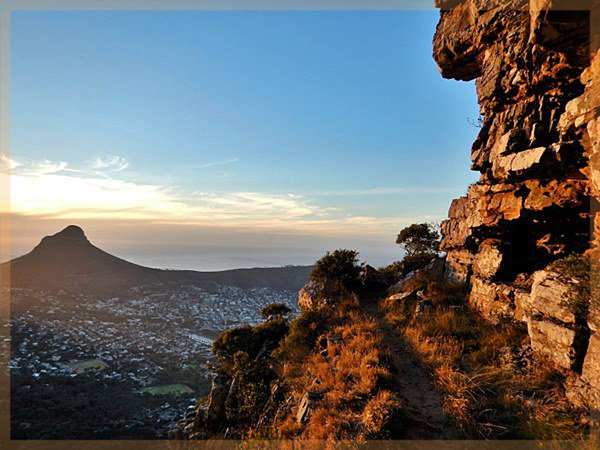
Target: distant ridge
68 261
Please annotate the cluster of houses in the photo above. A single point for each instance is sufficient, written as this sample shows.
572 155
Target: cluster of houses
148 336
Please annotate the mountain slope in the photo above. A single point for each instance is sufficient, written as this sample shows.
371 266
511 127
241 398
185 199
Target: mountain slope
69 261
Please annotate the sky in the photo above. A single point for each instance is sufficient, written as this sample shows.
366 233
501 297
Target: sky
221 139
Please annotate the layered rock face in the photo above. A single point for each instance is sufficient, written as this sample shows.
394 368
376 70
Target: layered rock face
538 84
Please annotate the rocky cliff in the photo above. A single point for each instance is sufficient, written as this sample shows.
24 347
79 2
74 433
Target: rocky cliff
537 74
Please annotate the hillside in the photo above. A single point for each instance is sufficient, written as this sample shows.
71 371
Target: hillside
68 261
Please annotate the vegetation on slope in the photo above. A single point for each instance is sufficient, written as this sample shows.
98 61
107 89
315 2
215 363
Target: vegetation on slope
348 371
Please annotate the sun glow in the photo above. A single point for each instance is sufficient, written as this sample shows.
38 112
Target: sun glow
101 191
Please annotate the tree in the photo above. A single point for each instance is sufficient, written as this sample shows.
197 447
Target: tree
275 310
341 265
419 239
239 339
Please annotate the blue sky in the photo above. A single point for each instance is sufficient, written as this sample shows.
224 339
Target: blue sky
304 130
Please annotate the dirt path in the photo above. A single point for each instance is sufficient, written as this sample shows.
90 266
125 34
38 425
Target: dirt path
415 386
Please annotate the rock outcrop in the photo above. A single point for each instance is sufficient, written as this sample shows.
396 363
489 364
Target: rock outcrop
316 294
412 281
538 84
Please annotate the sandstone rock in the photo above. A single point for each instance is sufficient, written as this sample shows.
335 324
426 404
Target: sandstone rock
547 294
538 152
583 395
591 364
215 414
411 281
554 341
458 265
521 302
455 50
492 300
516 164
488 259
556 193
322 293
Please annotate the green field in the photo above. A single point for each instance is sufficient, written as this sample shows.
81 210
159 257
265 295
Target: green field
89 364
168 389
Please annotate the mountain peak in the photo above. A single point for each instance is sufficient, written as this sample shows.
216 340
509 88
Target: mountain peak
72 231
71 235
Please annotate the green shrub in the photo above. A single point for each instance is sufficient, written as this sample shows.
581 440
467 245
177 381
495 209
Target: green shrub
275 310
239 339
269 334
264 337
252 380
304 331
341 265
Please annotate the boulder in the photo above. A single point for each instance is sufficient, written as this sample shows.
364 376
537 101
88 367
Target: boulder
322 293
590 372
493 300
411 281
547 295
554 341
215 414
458 265
488 259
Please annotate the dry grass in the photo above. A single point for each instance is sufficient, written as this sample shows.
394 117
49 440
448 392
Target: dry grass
350 367
378 411
350 375
486 398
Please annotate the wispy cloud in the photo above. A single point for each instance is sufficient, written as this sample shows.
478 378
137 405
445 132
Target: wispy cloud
55 190
216 163
33 167
111 163
7 164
